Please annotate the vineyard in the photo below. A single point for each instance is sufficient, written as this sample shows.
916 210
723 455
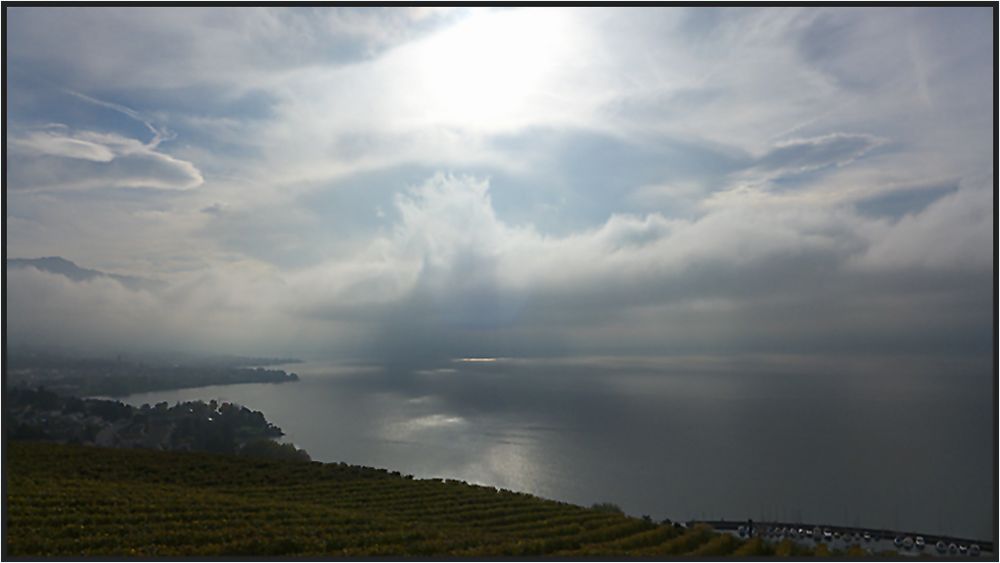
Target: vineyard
73 501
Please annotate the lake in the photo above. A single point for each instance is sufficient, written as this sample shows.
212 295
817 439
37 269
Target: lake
888 443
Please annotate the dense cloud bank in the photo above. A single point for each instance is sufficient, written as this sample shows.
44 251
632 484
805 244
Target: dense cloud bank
409 186
451 279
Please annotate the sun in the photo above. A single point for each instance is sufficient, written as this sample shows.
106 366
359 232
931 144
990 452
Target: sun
492 69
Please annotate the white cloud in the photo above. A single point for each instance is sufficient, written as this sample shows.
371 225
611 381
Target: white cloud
805 155
452 279
771 99
52 144
450 245
953 234
91 159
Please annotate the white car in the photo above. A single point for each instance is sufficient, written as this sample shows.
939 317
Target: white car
919 542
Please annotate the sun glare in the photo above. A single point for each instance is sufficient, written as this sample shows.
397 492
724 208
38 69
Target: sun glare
490 69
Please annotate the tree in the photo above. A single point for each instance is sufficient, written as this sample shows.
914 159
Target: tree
607 507
269 449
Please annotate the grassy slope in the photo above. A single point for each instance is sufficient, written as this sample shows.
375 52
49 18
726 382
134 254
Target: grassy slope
80 501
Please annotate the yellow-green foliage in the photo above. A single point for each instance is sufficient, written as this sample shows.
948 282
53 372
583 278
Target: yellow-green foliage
687 542
72 501
756 547
789 548
856 551
721 544
785 549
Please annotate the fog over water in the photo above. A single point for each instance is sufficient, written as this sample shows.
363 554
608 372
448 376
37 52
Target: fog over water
892 444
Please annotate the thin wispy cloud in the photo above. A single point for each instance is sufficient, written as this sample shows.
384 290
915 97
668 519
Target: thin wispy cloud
158 134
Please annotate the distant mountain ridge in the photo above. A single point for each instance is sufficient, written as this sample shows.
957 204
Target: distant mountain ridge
64 267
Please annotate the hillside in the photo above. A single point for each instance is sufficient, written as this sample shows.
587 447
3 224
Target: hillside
71 501
64 267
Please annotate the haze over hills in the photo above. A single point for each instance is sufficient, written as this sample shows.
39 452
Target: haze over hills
64 267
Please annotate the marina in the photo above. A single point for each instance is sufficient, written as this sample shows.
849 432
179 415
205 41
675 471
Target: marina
871 541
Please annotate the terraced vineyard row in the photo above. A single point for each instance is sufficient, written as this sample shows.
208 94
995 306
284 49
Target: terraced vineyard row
75 501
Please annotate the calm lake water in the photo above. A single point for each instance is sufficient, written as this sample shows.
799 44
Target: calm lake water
894 444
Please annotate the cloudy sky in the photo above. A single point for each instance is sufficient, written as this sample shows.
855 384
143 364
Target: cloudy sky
409 185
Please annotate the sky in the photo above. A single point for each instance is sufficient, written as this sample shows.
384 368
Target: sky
410 185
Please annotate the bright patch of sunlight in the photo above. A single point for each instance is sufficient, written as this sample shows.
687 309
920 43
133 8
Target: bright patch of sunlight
491 67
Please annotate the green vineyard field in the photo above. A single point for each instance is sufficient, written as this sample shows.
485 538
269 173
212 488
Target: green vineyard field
74 501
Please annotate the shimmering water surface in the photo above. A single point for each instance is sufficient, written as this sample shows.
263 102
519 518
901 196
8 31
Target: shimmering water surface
902 445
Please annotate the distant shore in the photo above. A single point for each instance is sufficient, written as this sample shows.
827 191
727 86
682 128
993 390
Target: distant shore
119 377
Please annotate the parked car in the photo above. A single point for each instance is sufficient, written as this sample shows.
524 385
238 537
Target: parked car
919 542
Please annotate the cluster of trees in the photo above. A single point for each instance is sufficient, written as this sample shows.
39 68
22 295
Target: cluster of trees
269 449
40 414
607 507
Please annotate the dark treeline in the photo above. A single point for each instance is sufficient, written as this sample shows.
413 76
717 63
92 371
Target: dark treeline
43 415
25 357
117 377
